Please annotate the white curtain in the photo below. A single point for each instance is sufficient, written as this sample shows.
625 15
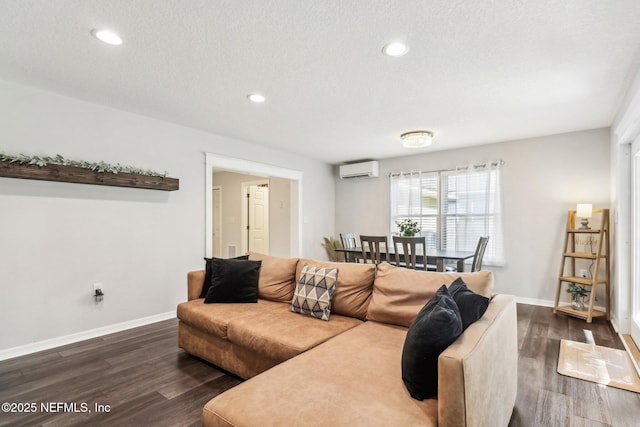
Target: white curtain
453 208
414 195
473 208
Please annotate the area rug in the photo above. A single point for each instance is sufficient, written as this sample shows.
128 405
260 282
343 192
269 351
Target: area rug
602 365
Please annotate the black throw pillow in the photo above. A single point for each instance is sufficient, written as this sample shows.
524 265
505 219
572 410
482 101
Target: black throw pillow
207 274
437 325
233 281
471 305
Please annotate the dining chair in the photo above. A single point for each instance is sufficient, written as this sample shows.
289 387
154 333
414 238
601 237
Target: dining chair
373 243
476 264
349 241
411 246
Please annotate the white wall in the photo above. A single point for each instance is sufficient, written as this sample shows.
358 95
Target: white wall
542 179
624 130
280 217
56 239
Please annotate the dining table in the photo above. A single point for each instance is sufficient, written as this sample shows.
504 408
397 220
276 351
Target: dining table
437 257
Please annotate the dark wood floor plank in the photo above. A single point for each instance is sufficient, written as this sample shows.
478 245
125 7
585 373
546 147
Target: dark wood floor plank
524 316
624 407
531 366
147 380
551 380
558 325
18 363
552 409
592 402
585 422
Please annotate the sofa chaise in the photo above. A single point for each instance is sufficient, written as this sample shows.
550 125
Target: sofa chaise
302 371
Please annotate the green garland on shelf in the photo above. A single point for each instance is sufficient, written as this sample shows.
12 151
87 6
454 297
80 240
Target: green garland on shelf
59 160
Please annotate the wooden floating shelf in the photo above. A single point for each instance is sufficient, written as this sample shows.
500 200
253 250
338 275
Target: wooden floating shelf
581 280
61 173
582 255
584 230
583 314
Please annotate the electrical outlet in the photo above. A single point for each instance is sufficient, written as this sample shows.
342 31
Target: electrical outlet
583 272
98 292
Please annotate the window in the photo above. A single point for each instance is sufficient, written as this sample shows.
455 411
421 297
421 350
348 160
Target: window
453 208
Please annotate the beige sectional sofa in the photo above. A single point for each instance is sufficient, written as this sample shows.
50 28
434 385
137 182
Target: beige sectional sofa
304 371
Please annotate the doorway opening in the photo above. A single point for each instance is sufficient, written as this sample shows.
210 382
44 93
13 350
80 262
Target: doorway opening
284 227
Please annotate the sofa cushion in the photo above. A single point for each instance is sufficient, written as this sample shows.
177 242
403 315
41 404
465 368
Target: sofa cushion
437 325
277 277
471 305
399 293
215 318
281 334
314 292
353 379
208 274
233 281
353 289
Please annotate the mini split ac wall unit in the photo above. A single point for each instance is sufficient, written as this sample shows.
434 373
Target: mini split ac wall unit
359 170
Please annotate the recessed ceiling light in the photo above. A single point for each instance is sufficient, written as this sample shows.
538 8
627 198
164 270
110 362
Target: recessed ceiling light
256 97
395 49
107 36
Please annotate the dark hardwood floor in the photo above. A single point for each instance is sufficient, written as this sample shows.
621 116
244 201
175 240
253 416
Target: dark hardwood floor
546 398
141 374
147 380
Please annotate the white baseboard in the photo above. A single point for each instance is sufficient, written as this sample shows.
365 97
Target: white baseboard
84 335
614 323
534 301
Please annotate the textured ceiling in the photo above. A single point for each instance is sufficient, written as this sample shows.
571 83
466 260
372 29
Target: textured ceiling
477 71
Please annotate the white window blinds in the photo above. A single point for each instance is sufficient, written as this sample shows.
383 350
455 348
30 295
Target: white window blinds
453 208
414 195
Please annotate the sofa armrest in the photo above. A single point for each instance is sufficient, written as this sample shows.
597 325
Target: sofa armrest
195 280
478 373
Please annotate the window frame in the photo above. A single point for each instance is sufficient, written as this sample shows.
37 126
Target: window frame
492 215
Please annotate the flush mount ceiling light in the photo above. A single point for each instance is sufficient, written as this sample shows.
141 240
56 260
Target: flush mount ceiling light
395 49
107 36
256 97
416 138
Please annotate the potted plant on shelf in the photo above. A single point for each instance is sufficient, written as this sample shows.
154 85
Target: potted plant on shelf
578 294
408 227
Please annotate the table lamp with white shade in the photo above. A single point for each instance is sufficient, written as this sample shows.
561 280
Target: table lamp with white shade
584 211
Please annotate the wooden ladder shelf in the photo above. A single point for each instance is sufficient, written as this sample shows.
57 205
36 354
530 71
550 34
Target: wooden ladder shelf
597 256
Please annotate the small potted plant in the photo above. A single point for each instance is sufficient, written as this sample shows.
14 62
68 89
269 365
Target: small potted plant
578 294
408 227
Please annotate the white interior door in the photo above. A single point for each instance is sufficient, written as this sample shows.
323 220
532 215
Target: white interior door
217 222
257 217
635 288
